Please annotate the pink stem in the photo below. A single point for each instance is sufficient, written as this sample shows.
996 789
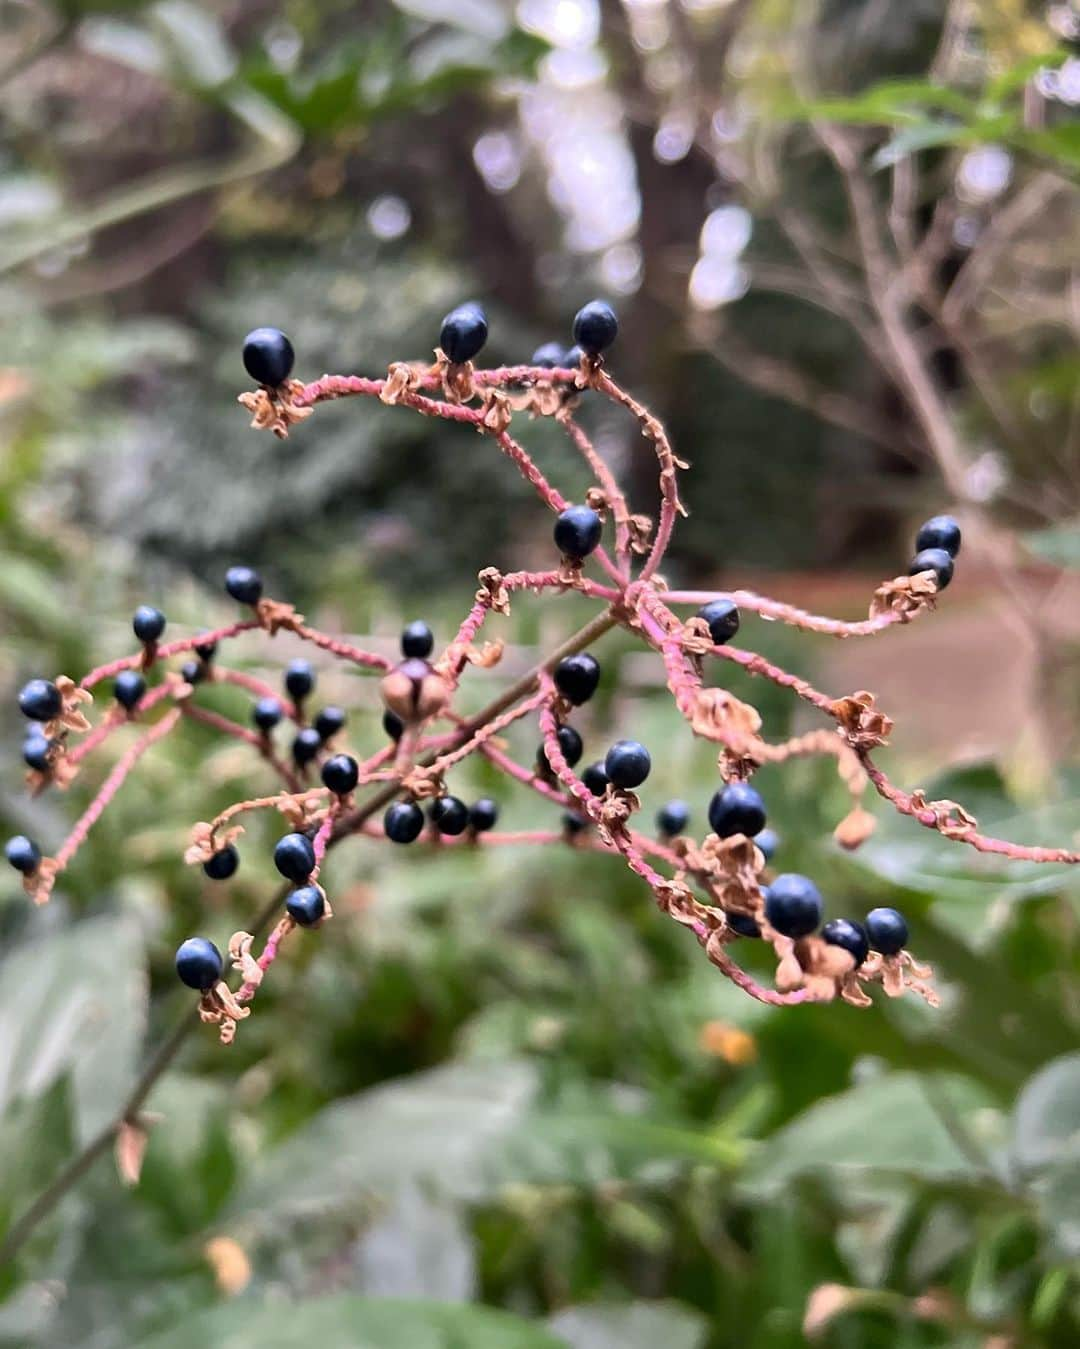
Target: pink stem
238 732
165 651
259 687
610 487
788 613
343 649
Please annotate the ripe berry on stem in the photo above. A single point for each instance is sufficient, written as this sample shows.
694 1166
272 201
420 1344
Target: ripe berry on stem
627 763
206 651
40 700
223 864
743 924
737 809
148 623
571 745
768 840
306 905
403 821
299 679
483 815
244 585
595 327
940 531
550 356
577 532
850 936
341 774
576 677
294 857
192 671
128 688
36 751
23 854
417 639
393 725
268 356
305 746
329 721
793 905
266 713
573 823
887 931
936 560
595 778
722 616
672 819
449 815
198 963
464 331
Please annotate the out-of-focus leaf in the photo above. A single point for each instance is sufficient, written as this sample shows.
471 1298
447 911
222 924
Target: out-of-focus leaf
1046 1121
633 1325
196 42
359 1323
1059 544
910 139
418 1248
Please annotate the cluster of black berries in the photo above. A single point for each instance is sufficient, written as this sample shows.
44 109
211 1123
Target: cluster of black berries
40 702
403 821
936 546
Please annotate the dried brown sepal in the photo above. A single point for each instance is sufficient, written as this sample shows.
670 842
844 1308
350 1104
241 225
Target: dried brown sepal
641 527
275 409
242 959
206 841
855 828
401 379
459 654
301 811
496 413
729 868
218 1007
718 715
130 1149
275 615
864 725
493 592
39 884
422 785
905 596
457 380
596 499
72 698
896 974
950 817
543 399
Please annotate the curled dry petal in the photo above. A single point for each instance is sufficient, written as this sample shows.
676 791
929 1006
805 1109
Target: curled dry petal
950 817
864 725
596 499
206 841
243 960
493 592
275 615
401 379
275 409
130 1148
39 884
905 596
496 413
641 527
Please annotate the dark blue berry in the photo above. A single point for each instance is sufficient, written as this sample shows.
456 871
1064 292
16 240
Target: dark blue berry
129 688
768 840
148 623
329 721
266 713
743 924
722 616
340 774
268 356
403 821
305 746
571 745
449 815
294 857
940 531
577 531
673 818
23 854
737 809
36 751
887 931
393 725
198 963
595 778
483 815
464 331
936 560
223 864
576 677
627 763
595 327
417 639
299 679
40 700
306 906
205 650
192 671
573 823
573 357
848 935
793 905
549 357
244 585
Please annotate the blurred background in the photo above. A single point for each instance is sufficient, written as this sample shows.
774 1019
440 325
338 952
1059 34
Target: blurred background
499 1101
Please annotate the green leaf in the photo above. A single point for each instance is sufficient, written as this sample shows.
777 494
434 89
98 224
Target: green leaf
358 1322
1046 1120
919 136
631 1325
1059 544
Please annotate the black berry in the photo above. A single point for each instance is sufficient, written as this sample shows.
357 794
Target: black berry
627 763
464 331
850 936
299 679
577 531
128 688
36 750
549 356
673 818
306 906
268 356
244 585
573 357
571 745
936 560
294 857
595 778
793 905
266 713
340 774
403 821
940 531
449 815
305 746
576 677
393 725
768 840
40 700
737 809
595 327
887 931
23 854
483 814
148 623
743 924
573 823
223 864
205 650
722 616
417 639
192 671
198 963
329 721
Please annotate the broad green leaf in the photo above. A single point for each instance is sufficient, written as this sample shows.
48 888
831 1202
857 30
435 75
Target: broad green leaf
919 136
631 1325
356 1322
1046 1121
418 1248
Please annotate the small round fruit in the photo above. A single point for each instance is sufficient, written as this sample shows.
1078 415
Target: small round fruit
936 560
299 679
128 688
23 854
244 585
571 745
341 774
887 931
306 906
403 821
306 745
393 725
464 331
40 700
850 936
737 809
722 616
483 815
268 356
768 840
793 905
577 532
940 531
576 677
549 357
36 752
573 823
449 815
199 963
417 639
294 857
223 864
595 327
673 818
595 778
192 671
266 713
330 721
573 357
627 763
148 623
743 924
205 651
